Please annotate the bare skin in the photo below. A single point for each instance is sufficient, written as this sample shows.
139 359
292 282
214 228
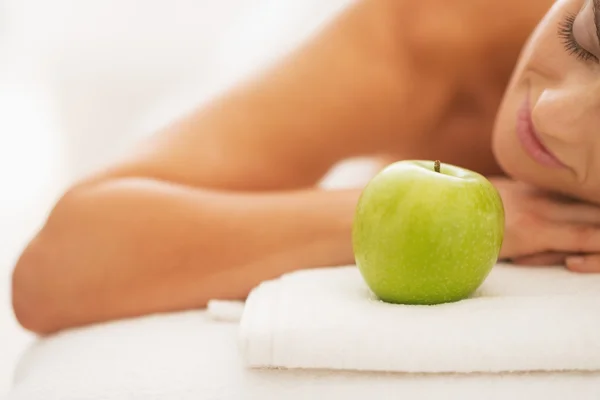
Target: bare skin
226 197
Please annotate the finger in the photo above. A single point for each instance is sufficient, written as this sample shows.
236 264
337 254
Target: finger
567 238
573 212
584 264
542 259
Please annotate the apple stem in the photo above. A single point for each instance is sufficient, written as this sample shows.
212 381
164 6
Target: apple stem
436 166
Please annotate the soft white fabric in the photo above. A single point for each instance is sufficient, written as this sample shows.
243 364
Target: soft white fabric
188 356
521 319
225 310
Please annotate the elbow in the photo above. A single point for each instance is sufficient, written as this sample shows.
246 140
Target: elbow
42 283
34 299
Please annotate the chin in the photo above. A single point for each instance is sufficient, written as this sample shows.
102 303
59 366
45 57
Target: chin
516 165
512 164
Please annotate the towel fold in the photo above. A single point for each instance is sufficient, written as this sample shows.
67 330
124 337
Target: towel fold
521 319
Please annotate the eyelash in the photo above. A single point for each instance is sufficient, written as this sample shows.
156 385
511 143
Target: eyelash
565 32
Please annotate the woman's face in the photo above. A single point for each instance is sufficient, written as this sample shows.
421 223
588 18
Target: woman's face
547 131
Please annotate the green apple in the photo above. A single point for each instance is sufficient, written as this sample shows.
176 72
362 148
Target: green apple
427 233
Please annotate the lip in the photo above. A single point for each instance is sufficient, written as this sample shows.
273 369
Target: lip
530 140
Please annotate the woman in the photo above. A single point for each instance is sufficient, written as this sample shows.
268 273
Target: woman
227 197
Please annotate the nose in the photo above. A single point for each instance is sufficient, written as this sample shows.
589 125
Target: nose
569 114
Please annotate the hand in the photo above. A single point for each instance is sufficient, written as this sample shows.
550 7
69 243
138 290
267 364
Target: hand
545 229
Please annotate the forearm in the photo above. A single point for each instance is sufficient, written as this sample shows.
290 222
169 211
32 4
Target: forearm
131 247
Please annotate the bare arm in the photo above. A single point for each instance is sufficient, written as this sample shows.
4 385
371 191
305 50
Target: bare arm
128 246
225 198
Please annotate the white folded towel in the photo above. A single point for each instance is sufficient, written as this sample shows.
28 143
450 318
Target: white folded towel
521 319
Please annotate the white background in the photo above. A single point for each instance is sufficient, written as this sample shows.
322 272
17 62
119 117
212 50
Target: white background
81 79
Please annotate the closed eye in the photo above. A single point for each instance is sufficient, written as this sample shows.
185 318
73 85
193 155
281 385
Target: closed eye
565 33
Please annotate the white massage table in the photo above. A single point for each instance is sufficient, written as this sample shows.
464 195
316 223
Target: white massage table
191 356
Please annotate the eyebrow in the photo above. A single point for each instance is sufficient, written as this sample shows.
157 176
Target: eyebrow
596 9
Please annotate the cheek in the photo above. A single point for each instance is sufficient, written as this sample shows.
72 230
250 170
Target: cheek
543 63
